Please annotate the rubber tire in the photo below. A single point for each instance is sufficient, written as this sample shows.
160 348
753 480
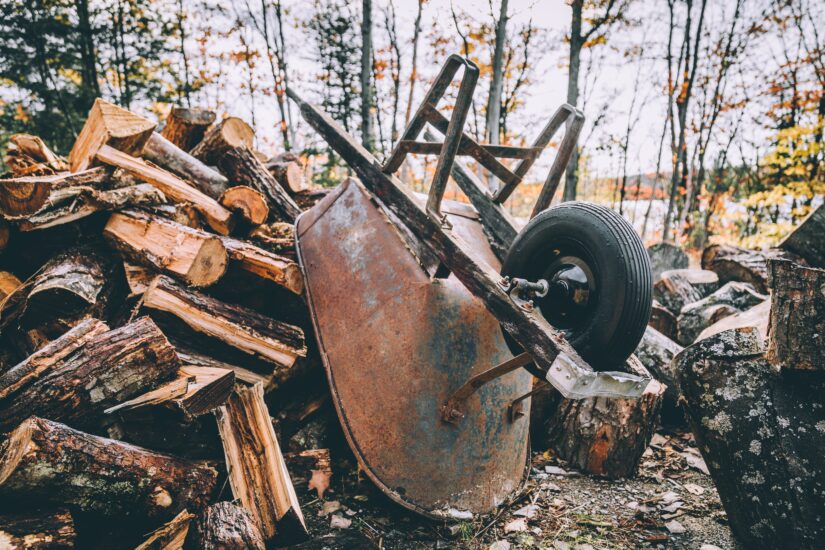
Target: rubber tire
620 265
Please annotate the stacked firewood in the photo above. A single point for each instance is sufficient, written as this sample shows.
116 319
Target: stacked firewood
151 315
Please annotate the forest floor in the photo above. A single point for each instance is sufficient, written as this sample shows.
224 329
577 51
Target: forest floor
672 503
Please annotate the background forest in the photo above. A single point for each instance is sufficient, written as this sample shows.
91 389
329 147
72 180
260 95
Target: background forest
705 120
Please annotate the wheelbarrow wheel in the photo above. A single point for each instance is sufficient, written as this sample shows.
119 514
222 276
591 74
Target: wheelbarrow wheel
600 283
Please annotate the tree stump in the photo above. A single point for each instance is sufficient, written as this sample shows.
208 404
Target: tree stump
225 526
797 329
677 288
733 263
732 298
47 462
666 257
761 434
606 436
758 316
656 352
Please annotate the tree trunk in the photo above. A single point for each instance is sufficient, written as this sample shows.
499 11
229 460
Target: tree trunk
367 131
166 155
606 436
185 128
494 99
576 42
732 298
196 257
46 462
225 526
74 378
37 530
797 329
677 288
257 471
761 435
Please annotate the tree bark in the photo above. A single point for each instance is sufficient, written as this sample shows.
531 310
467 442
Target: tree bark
758 316
225 526
677 288
257 471
22 197
606 436
656 352
761 435
166 155
90 368
666 257
797 327
46 462
732 298
196 257
185 128
663 320
38 530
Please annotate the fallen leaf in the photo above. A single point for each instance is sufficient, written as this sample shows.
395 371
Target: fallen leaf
696 462
675 527
329 507
530 511
556 471
340 522
320 481
673 507
694 489
499 545
516 526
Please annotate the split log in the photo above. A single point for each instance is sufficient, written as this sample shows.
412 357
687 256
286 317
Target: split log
758 316
257 471
108 124
733 263
797 326
656 352
47 462
663 320
248 203
186 127
28 155
288 170
196 391
88 202
8 283
236 326
37 530
191 255
166 155
732 298
24 196
182 213
760 433
175 189
231 131
666 257
311 468
193 358
606 436
225 526
5 234
677 288
171 535
224 147
267 265
807 239
90 368
138 277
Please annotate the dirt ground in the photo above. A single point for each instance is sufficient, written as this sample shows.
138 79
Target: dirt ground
671 504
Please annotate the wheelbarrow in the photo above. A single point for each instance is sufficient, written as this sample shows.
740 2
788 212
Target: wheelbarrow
433 317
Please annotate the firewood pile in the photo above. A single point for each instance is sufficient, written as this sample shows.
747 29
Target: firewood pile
151 325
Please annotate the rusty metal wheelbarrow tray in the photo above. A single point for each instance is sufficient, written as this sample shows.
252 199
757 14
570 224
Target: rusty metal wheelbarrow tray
394 342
